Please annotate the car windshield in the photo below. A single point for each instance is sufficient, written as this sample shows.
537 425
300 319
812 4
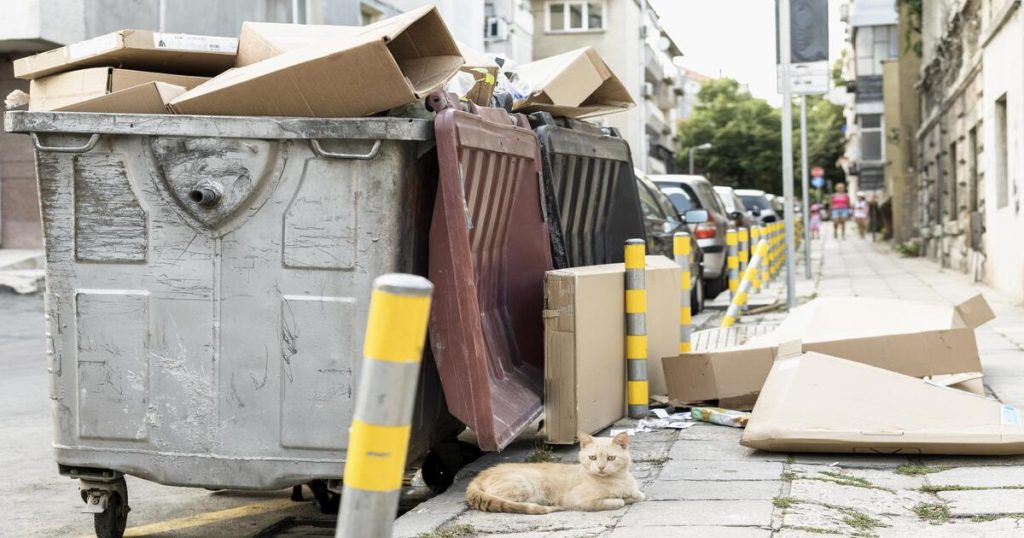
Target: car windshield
754 202
680 199
727 200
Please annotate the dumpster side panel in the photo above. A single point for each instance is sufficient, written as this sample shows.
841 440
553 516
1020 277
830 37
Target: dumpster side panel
217 346
593 204
489 251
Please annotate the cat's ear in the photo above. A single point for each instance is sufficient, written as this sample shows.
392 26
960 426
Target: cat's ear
585 439
622 439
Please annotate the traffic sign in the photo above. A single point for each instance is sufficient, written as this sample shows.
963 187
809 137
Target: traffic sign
817 171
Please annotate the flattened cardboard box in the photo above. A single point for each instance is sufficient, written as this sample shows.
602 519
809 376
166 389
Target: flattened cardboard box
584 343
576 84
384 65
915 339
182 54
77 88
150 98
817 403
259 41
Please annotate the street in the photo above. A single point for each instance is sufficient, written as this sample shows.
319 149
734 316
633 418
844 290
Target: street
699 482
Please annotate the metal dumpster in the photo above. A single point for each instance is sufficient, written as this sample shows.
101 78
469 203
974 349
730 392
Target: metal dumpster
208 281
591 192
489 250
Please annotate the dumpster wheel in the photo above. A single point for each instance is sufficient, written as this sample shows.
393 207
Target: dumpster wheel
108 503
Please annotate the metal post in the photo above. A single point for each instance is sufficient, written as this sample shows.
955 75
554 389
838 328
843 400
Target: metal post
805 183
691 160
161 22
641 104
732 262
787 148
396 329
766 275
755 238
636 328
682 251
749 281
743 236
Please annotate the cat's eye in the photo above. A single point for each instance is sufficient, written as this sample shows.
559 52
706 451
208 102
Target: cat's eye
610 458
593 457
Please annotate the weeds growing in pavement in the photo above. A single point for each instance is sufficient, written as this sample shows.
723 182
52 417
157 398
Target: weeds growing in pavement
784 502
914 470
450 531
813 530
541 454
659 460
936 489
993 517
935 513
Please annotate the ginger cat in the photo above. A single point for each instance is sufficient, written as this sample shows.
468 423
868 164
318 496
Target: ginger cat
601 481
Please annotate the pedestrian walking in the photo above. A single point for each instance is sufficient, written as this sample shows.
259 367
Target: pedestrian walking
840 211
860 214
814 221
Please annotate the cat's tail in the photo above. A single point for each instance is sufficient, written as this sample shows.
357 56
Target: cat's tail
479 499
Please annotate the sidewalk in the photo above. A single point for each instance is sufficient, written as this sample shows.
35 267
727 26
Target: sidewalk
700 482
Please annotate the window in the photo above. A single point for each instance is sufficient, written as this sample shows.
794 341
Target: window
575 16
680 199
871 137
369 14
952 208
874 44
1002 178
648 204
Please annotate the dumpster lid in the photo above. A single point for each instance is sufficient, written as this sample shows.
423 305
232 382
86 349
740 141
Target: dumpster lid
265 127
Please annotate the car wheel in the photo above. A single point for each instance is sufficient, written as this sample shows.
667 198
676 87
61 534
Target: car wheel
697 295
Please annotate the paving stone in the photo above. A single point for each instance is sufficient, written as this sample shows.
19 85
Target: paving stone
500 523
570 533
984 501
886 478
721 470
815 516
693 532
902 527
683 490
871 461
719 449
980 477
969 461
867 500
711 432
701 513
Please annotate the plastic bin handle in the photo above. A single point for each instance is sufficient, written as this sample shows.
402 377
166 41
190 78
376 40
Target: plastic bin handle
320 152
65 149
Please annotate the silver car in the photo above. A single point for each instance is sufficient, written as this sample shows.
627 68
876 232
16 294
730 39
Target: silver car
759 207
695 192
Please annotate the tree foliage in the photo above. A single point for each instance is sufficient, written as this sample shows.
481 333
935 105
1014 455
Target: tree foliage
745 133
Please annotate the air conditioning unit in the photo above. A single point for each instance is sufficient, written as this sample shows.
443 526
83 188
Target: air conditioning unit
495 28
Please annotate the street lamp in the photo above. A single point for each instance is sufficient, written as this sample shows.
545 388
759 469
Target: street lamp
706 145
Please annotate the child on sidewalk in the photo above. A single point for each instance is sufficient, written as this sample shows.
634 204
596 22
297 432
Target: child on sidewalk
815 221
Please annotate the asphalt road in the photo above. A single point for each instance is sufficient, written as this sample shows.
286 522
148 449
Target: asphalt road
37 501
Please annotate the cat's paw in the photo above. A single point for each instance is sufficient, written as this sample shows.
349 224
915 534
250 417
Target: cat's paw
613 504
635 497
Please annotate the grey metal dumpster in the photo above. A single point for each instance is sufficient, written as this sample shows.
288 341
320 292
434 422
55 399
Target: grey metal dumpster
207 287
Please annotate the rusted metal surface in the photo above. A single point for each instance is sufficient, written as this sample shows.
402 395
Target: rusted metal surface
489 249
215 345
592 201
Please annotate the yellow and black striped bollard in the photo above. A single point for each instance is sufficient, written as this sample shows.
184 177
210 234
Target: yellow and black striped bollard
732 261
682 251
636 329
743 237
749 281
378 441
755 238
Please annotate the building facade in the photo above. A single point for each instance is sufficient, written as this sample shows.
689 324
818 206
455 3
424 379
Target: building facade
508 29
872 40
638 51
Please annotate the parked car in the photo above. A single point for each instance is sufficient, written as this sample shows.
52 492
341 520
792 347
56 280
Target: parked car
663 221
734 206
696 192
759 207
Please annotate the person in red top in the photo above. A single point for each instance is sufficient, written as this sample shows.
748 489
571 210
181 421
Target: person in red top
840 211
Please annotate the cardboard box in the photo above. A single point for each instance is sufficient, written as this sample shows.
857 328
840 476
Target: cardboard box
584 343
150 98
576 84
915 339
58 92
387 64
135 49
259 41
817 403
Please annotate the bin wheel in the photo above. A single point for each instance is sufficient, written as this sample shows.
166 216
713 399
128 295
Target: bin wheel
112 522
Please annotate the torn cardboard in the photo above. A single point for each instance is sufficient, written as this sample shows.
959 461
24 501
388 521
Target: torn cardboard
576 84
818 403
915 339
484 71
584 343
182 54
64 90
384 65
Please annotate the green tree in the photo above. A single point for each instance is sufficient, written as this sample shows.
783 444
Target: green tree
745 133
